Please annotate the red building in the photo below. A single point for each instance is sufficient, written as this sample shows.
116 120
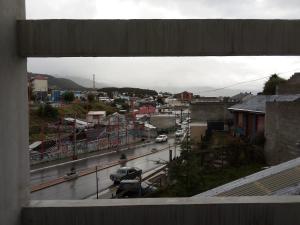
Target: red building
147 109
185 96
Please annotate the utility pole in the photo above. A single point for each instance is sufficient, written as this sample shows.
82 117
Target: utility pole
58 135
108 133
126 124
118 132
94 86
188 132
74 137
97 182
170 153
175 150
181 115
43 140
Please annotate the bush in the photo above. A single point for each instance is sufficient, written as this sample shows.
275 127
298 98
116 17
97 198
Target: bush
68 97
91 97
47 111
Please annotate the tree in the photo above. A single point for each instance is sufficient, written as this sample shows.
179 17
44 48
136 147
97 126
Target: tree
125 106
160 100
270 85
47 111
91 97
68 96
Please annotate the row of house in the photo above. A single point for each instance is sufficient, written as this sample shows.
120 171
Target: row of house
276 118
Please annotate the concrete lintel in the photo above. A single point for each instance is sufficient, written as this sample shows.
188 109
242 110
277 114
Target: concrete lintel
177 211
121 38
165 201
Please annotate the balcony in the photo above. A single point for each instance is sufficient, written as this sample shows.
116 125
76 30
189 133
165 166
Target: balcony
175 211
66 38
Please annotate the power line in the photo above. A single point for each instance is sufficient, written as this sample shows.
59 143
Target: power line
244 82
232 85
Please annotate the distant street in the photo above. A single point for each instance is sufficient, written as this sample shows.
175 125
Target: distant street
85 186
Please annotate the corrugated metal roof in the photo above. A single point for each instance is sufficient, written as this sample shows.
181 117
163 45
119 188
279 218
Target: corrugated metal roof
281 179
258 103
268 185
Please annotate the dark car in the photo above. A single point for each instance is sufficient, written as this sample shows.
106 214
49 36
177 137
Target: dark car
125 173
134 189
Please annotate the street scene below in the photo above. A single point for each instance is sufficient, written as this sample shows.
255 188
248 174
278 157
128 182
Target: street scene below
85 186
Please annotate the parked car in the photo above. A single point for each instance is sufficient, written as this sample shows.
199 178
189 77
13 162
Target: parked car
133 189
161 138
179 133
125 173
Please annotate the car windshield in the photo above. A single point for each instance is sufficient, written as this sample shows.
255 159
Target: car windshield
121 171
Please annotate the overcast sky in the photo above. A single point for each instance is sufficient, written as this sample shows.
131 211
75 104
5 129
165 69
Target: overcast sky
185 73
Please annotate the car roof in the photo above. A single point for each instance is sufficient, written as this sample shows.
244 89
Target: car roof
124 168
129 181
127 167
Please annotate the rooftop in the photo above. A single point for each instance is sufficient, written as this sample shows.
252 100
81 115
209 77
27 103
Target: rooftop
257 103
282 179
96 113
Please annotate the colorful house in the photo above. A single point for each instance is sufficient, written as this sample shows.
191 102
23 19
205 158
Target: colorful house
249 116
149 109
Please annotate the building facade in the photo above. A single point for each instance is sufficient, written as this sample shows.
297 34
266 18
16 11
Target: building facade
282 131
96 117
210 111
249 116
39 84
185 96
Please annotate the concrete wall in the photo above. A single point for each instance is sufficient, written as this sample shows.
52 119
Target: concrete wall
14 162
63 38
39 85
163 121
273 210
198 131
292 86
285 89
282 131
206 111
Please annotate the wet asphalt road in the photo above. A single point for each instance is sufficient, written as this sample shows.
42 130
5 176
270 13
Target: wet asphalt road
85 186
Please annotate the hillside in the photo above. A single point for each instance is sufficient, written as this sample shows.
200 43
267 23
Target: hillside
85 82
60 83
130 91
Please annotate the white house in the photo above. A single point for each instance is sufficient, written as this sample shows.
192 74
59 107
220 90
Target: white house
96 117
39 84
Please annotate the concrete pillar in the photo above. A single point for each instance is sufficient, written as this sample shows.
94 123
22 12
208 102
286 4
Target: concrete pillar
14 166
